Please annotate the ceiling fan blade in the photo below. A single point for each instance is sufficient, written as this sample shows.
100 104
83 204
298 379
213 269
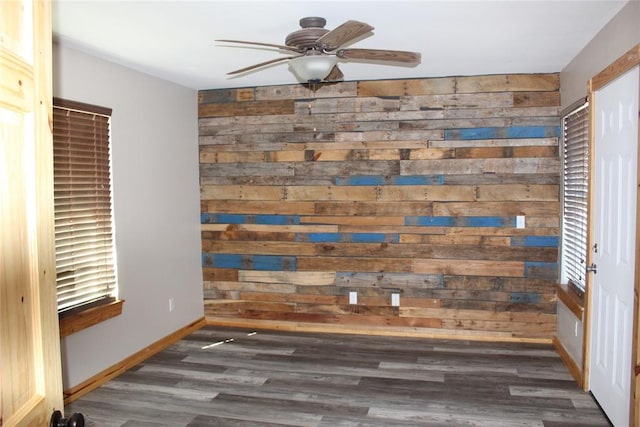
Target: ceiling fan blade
342 34
277 46
335 75
379 55
262 64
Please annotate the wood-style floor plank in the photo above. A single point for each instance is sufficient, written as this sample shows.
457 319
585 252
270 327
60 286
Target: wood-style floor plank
234 377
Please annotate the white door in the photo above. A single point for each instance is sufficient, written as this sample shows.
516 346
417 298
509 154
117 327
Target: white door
614 220
30 377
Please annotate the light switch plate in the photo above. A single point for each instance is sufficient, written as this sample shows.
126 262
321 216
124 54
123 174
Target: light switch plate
520 223
395 300
353 297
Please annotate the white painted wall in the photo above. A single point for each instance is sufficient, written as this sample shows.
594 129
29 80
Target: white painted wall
617 37
156 207
570 335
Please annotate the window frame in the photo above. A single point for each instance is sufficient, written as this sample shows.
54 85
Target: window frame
89 149
575 161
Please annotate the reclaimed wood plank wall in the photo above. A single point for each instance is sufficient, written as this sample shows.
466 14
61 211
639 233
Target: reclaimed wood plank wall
379 187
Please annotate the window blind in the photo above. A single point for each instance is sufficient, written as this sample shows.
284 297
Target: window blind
85 274
575 195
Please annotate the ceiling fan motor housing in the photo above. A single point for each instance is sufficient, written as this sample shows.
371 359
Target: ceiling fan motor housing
305 38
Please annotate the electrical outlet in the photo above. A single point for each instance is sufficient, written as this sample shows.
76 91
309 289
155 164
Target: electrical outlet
395 300
171 304
353 297
520 222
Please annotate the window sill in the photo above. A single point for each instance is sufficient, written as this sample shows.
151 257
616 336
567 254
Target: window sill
77 322
573 302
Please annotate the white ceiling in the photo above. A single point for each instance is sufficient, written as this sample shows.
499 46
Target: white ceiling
174 40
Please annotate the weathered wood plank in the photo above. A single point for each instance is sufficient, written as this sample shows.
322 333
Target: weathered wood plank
219 274
458 252
503 142
536 99
297 91
454 100
476 166
252 207
358 167
238 287
495 208
258 247
232 233
246 169
505 152
389 281
315 278
509 82
312 228
456 240
430 153
347 105
216 96
469 267
406 87
484 179
249 108
354 264
427 193
528 112
408 186
376 208
498 283
518 192
399 135
353 220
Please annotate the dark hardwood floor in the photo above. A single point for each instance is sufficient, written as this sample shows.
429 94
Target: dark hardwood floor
233 377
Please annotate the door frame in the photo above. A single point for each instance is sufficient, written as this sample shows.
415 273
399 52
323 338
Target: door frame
620 66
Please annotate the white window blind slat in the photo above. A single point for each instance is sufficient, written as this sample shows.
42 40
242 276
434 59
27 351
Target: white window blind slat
85 265
575 196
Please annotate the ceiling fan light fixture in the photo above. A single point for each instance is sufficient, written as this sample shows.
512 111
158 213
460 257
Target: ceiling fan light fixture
313 68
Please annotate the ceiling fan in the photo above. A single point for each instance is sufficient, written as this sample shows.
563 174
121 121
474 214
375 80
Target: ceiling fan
315 51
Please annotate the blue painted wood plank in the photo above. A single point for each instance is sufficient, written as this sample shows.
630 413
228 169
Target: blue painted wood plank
470 133
207 260
277 219
373 238
318 237
506 132
535 241
360 180
250 262
273 263
206 218
347 238
374 180
533 131
268 219
484 221
227 261
225 218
